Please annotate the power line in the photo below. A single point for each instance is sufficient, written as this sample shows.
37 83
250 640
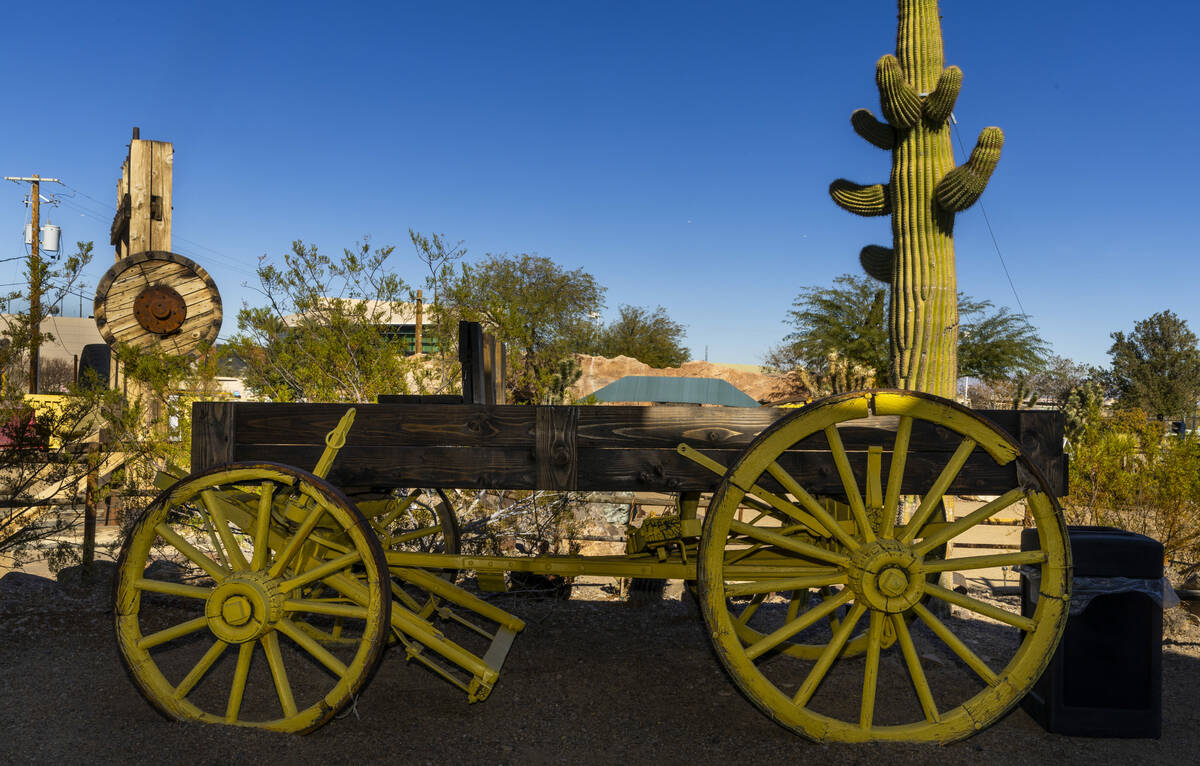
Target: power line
988 222
228 261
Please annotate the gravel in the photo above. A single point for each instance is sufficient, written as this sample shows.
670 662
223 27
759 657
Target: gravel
587 682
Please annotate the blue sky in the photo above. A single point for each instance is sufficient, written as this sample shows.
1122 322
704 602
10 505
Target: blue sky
678 151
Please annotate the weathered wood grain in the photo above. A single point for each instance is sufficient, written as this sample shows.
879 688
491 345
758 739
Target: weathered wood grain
213 434
593 448
557 452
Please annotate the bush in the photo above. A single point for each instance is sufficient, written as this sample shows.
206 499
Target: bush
1127 473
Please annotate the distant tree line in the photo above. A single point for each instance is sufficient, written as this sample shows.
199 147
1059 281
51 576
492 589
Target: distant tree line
316 334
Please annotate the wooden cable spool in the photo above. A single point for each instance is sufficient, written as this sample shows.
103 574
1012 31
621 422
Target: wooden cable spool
158 299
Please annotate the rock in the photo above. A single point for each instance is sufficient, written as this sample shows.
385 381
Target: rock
97 585
161 569
19 586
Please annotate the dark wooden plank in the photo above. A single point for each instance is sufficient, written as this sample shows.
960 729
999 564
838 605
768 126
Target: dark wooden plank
557 452
213 434
1042 440
668 471
651 470
456 467
440 443
660 425
417 425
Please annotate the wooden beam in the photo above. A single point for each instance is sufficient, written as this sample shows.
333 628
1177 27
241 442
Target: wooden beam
613 448
213 434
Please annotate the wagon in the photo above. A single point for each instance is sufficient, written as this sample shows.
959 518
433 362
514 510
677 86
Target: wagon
256 593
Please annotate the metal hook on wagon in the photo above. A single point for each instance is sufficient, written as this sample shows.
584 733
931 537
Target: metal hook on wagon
334 441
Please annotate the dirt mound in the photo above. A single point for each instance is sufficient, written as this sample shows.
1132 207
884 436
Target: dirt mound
599 371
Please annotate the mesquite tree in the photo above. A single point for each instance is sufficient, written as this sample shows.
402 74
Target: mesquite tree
917 94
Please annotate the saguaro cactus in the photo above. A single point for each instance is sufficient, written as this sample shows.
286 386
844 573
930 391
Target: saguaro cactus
917 93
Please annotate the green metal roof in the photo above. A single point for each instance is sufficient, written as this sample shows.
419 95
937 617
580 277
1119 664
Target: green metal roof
650 388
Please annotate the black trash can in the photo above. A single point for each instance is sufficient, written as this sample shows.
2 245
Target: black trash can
1105 679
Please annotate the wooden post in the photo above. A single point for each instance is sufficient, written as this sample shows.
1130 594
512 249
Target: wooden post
417 348
35 273
35 290
487 345
470 354
143 220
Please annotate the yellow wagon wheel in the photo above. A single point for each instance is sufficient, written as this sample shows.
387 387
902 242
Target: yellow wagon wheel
946 677
220 584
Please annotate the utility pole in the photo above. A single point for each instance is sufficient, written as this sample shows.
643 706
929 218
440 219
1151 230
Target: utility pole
35 277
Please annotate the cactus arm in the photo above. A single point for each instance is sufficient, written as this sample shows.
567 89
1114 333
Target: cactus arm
878 262
899 99
861 200
961 187
875 132
939 104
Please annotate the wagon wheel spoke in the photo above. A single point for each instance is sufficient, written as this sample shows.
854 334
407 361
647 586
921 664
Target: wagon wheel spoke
200 669
238 689
169 588
233 550
1024 558
283 688
933 498
811 505
297 540
789 544
849 483
891 501
262 526
193 554
750 608
960 526
916 673
874 497
871 671
809 619
979 607
825 661
956 645
333 609
172 633
318 652
753 586
417 534
331 567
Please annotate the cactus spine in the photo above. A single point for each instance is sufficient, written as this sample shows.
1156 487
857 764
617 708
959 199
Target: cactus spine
925 191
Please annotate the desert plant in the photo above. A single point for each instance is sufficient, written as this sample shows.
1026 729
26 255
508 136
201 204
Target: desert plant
925 192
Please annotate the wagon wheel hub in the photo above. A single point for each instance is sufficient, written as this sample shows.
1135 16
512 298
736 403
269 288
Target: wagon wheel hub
160 309
886 575
244 608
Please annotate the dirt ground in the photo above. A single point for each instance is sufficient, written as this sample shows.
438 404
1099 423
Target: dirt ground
587 682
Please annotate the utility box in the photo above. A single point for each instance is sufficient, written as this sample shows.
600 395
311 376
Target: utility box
1105 679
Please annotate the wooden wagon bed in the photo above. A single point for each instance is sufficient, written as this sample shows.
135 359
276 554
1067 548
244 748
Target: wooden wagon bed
613 448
